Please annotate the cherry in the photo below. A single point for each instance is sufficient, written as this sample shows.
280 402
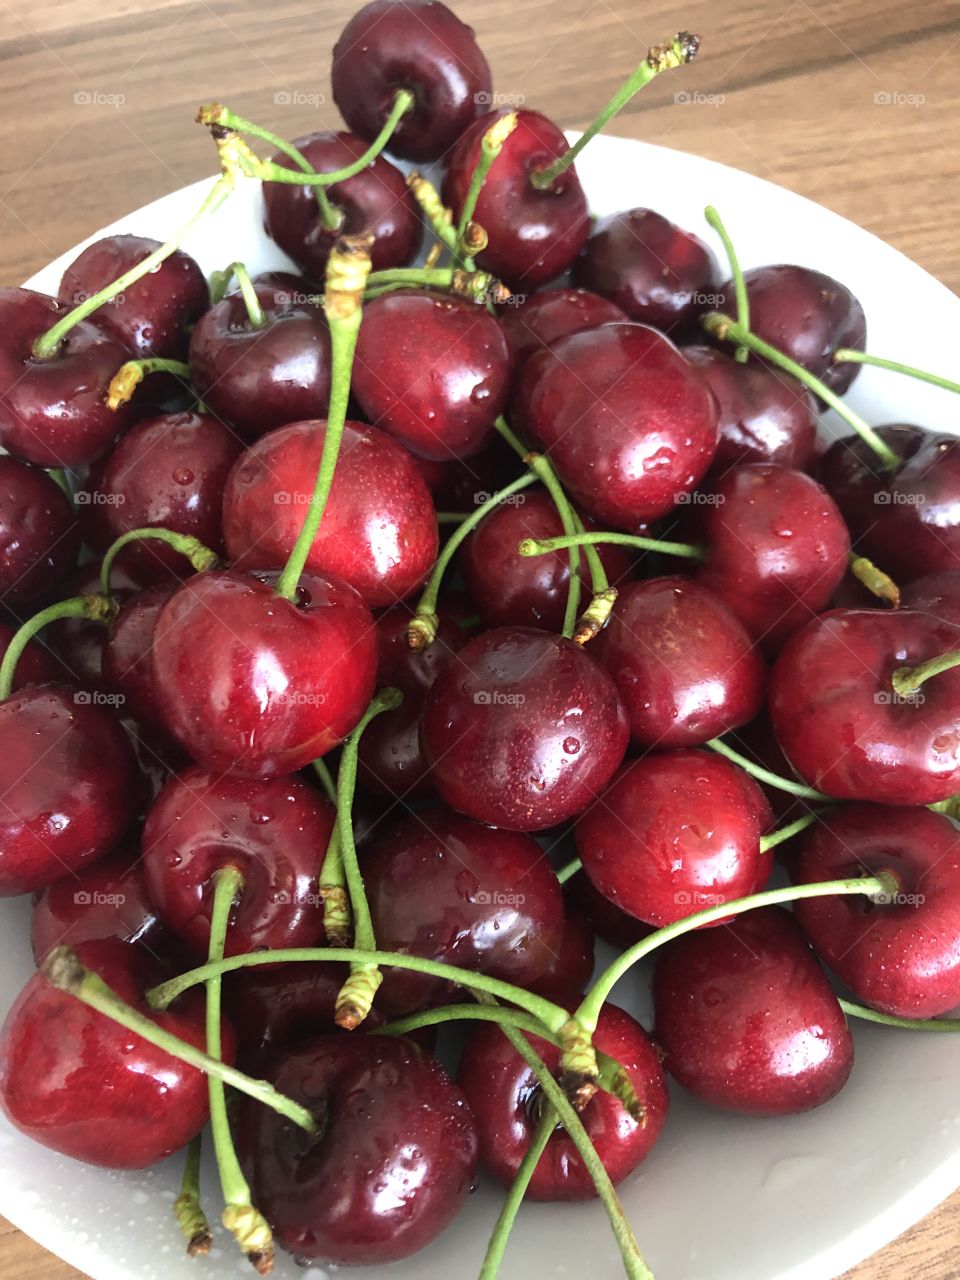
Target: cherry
151 317
80 642
902 957
841 722
68 778
39 539
36 665
391 1165
765 415
254 684
75 1081
777 548
747 1019
128 655
936 593
274 832
513 590
534 235
627 423
507 1100
167 472
609 922
805 314
379 529
531 322
652 269
459 484
686 669
259 377
431 369
571 968
376 201
675 833
445 888
418 45
53 411
524 730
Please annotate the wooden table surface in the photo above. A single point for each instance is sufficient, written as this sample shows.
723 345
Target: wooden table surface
854 103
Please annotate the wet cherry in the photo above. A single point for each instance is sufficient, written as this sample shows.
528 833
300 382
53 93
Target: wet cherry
39 538
532 321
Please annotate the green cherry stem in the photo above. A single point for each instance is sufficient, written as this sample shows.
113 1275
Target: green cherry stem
129 376
725 329
907 681
332 887
888 1020
186 544
848 356
95 608
326 779
496 1247
567 872
675 53
187 1209
347 270
491 144
439 218
877 582
741 355
543 546
63 968
250 300
765 775
788 832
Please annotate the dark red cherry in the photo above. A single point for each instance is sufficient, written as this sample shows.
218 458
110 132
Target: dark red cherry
509 589
776 548
461 483
53 411
532 321
901 957
76 1081
841 724
418 45
674 834
936 593
39 538
79 642
608 922
376 201
253 684
523 730
379 530
686 669
128 655
391 1165
571 967
534 235
431 369
507 1101
652 269
259 378
151 317
445 888
68 778
274 832
747 1019
36 664
627 423
765 415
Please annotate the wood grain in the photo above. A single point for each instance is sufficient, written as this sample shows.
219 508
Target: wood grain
855 103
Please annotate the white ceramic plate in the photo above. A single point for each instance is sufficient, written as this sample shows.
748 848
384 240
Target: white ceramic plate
721 1197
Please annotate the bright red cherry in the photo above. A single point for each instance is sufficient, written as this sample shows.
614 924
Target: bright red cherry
532 321
747 1019
39 539
253 684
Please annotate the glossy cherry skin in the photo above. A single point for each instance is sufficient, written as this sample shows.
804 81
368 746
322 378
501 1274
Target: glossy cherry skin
900 957
805 314
445 888
533 235
393 1161
776 548
747 1019
68 778
907 520
524 730
379 530
431 369
375 200
418 45
274 832
627 423
532 321
765 415
39 538
256 685
53 412
652 269
36 664
841 725
106 900
76 1081
128 655
685 667
80 642
506 1099
571 968
509 589
151 317
936 593
608 922
674 834
261 377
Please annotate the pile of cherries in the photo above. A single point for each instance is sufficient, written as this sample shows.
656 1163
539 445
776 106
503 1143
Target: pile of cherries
378 636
